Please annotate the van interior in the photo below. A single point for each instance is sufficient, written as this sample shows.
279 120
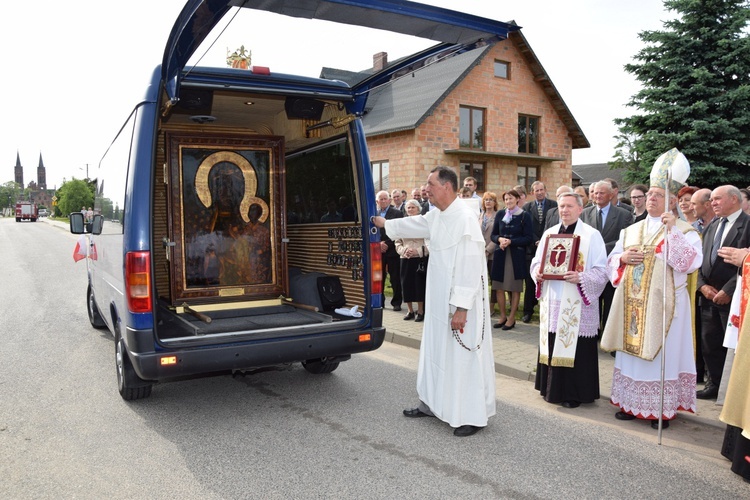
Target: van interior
279 265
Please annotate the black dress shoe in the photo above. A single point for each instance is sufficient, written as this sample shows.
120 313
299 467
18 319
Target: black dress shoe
420 318
397 308
501 324
508 327
621 415
571 404
466 430
409 316
415 413
655 424
526 318
709 392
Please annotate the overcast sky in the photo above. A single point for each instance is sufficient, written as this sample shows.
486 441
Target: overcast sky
74 70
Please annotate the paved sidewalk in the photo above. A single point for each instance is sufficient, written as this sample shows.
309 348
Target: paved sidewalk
516 355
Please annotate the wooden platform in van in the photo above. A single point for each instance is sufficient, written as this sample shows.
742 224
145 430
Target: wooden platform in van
174 324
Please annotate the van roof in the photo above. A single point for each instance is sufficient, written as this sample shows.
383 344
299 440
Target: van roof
450 28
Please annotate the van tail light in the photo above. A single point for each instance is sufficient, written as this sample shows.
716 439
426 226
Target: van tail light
138 281
376 268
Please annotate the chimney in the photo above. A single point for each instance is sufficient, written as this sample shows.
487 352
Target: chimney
379 61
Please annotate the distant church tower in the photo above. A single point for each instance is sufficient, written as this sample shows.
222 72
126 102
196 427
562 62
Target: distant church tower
41 174
19 171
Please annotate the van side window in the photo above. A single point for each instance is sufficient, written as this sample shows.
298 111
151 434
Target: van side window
320 185
112 176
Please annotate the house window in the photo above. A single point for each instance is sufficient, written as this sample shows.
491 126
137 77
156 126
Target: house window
470 169
502 69
471 132
380 171
528 134
527 176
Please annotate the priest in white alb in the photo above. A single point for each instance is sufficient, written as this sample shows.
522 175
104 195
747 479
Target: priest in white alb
635 327
568 289
456 374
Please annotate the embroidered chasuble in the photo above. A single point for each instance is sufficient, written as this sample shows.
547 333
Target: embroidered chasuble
635 323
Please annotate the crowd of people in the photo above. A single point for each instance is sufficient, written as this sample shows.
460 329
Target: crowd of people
601 269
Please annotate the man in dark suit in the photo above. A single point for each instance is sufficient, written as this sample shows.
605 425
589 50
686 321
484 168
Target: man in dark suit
398 201
538 209
616 197
717 280
609 220
391 259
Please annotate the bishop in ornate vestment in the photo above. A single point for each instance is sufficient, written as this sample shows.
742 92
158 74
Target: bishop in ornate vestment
635 328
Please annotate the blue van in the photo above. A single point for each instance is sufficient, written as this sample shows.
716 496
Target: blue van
232 208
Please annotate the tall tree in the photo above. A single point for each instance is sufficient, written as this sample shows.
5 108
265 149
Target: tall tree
74 195
696 94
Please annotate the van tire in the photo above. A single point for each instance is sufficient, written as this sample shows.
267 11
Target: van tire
95 318
318 367
129 384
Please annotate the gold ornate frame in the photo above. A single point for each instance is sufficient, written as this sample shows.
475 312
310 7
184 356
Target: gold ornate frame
226 197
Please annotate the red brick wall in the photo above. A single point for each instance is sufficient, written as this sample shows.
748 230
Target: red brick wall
412 154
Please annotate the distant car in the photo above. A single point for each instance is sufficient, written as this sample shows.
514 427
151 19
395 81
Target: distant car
43 212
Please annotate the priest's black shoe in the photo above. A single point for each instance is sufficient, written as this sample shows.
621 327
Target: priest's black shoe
571 404
397 308
709 392
409 316
621 415
466 430
415 413
655 424
526 318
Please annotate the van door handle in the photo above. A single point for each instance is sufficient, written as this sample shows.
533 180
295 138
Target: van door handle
166 243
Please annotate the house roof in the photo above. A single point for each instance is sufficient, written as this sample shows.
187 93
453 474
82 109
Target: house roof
541 77
592 172
405 102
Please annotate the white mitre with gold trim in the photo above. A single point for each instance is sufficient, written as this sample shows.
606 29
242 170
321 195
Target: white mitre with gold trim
671 166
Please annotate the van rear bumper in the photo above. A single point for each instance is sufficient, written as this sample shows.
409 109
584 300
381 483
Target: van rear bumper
268 352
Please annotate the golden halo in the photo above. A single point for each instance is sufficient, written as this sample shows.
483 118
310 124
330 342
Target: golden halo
248 174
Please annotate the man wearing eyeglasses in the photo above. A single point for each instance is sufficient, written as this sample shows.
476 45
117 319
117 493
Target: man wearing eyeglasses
650 316
638 199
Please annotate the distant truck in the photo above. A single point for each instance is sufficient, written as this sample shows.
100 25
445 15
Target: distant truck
26 210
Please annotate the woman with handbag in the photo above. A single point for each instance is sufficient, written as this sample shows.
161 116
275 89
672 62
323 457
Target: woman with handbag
512 232
413 252
490 207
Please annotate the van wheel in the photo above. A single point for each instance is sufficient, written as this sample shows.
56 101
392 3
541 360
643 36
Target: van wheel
129 384
318 367
94 317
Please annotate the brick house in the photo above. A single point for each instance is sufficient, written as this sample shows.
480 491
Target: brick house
491 113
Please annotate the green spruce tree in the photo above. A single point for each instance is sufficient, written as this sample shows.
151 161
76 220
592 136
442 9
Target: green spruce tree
695 75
